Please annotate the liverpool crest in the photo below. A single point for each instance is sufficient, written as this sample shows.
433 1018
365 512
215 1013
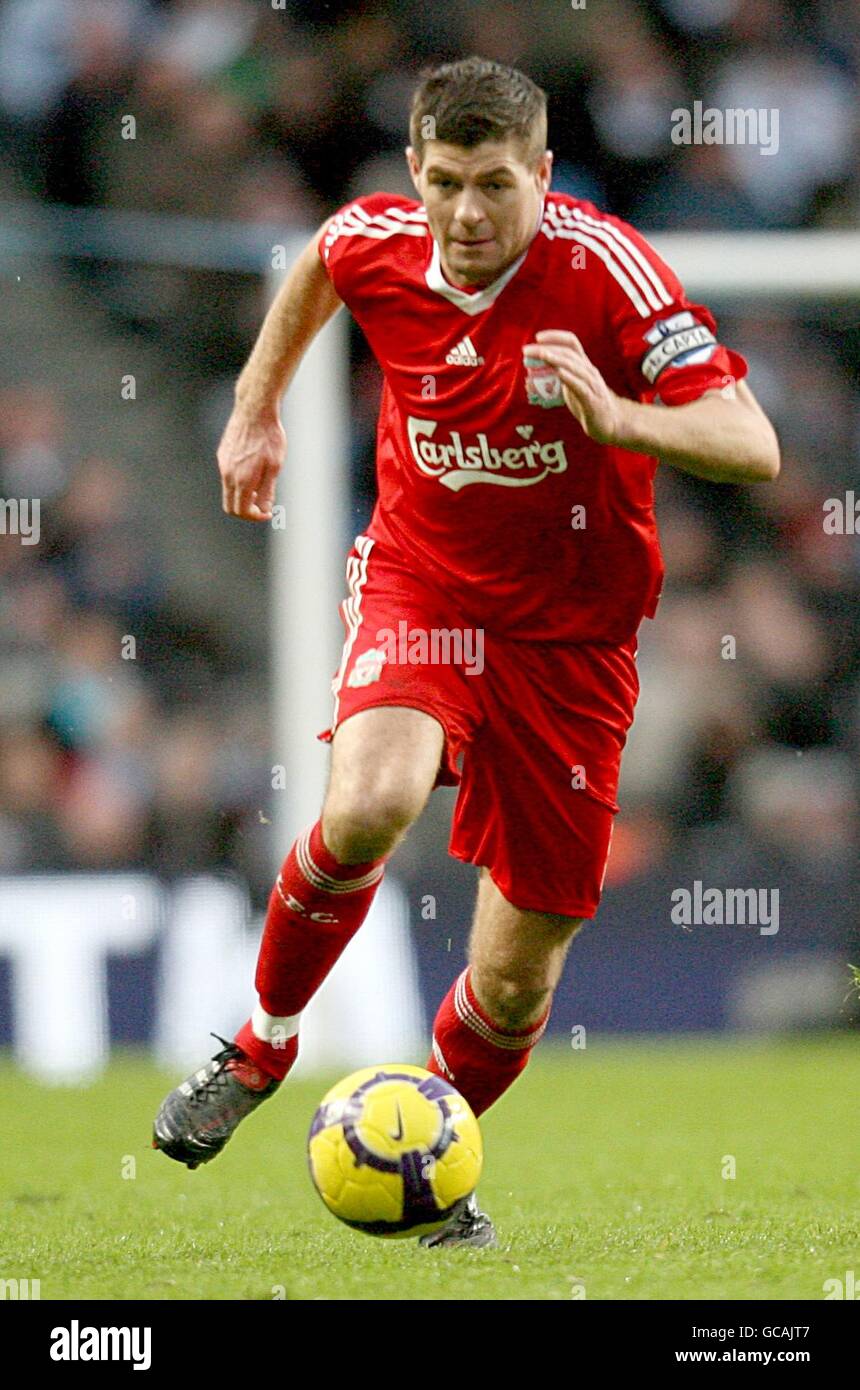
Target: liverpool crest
543 386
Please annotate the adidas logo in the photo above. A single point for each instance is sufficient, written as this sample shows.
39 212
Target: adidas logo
464 355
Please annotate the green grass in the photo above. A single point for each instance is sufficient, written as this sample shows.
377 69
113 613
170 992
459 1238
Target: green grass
602 1166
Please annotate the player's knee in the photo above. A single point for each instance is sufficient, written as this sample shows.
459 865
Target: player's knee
369 823
511 1001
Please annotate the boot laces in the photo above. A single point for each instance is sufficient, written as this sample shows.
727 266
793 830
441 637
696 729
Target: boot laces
205 1090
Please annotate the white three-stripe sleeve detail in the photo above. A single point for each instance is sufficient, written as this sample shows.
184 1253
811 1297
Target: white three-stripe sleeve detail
631 268
616 235
611 264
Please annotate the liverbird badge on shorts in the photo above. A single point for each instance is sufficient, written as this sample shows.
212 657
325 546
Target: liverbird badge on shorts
542 384
367 668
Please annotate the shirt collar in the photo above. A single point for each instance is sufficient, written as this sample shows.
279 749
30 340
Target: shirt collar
479 300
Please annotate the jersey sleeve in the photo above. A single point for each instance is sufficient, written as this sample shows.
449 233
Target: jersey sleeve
349 244
670 347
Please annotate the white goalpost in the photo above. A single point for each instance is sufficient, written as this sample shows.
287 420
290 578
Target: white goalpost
306 570
764 265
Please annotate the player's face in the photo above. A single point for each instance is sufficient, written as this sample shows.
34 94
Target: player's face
482 204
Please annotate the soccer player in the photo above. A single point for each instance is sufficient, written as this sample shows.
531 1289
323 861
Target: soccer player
538 359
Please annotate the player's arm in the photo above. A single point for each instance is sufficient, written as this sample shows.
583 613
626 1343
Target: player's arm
723 436
253 445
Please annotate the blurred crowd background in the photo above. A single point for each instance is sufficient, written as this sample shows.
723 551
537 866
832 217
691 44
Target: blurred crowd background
743 763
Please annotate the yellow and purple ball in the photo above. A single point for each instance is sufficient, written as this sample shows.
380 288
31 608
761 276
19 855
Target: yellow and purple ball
394 1150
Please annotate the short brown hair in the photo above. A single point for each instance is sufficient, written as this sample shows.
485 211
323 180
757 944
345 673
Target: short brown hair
474 99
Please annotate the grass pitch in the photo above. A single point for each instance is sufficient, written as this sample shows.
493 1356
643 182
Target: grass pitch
603 1172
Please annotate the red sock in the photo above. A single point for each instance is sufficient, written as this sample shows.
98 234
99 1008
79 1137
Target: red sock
317 906
474 1053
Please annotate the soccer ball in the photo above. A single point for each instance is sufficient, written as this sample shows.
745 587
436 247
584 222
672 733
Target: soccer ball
394 1150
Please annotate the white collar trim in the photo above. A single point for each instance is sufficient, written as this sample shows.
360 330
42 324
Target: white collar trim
476 303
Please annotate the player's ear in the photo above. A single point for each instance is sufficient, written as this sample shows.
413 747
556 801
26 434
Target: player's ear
545 170
414 165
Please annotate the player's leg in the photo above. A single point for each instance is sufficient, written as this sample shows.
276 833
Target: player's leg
516 958
384 764
493 1016
498 1007
536 808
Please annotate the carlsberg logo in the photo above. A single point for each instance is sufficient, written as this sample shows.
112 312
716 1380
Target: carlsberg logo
457 463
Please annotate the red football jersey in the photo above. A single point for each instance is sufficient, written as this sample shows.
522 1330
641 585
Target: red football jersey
488 486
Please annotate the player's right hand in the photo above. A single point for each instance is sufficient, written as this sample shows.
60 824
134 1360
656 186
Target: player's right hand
250 456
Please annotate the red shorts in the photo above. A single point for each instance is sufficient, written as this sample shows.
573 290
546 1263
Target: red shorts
533 730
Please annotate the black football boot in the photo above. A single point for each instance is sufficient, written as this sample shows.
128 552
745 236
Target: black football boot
197 1118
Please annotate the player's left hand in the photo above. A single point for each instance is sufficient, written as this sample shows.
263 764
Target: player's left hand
586 394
